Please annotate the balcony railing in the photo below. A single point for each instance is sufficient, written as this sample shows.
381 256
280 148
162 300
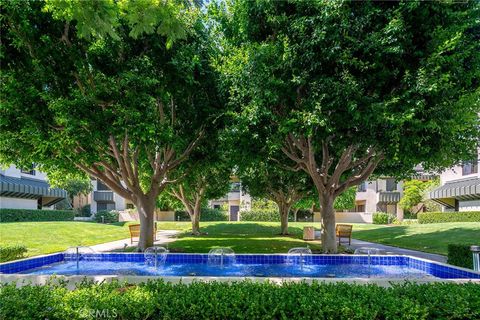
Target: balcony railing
106 196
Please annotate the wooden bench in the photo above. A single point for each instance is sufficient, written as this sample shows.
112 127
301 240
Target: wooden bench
135 232
344 231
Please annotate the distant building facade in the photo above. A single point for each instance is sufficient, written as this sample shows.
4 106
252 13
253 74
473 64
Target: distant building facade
27 189
460 187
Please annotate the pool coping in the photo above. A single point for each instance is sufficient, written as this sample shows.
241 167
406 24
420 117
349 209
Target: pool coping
26 279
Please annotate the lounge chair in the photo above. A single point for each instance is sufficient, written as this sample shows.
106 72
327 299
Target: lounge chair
344 231
135 232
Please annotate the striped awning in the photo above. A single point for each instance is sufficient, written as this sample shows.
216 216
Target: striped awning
466 189
389 197
30 189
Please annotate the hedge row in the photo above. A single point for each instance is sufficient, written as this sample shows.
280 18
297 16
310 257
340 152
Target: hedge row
438 217
12 252
460 255
105 216
241 300
18 215
263 215
207 214
383 218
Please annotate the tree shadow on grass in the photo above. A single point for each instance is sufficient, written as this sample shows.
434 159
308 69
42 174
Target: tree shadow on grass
243 230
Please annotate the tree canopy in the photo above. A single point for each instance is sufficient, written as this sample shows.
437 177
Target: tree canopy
102 87
348 88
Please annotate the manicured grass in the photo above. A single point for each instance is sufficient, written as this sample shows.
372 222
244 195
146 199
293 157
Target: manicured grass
54 236
433 238
243 237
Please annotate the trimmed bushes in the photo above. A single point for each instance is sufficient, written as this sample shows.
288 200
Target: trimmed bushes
263 215
460 255
383 218
107 216
207 214
12 252
241 300
23 215
439 217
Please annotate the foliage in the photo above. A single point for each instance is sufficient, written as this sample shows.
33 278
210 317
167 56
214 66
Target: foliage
84 211
64 204
105 216
414 192
75 187
304 215
438 217
102 88
16 215
207 214
346 200
12 252
346 89
383 218
460 255
263 215
241 300
263 204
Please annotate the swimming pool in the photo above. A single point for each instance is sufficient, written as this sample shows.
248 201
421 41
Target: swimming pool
244 265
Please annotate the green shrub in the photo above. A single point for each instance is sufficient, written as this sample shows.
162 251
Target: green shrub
156 299
12 252
304 215
260 215
84 211
105 216
19 215
460 255
438 217
207 214
383 218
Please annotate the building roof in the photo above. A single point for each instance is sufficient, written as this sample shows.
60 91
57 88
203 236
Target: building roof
465 189
30 189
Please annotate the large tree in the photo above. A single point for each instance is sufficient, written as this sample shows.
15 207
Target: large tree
351 87
120 90
271 181
205 177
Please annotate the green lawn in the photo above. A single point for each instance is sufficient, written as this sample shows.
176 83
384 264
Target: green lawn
48 237
242 237
433 238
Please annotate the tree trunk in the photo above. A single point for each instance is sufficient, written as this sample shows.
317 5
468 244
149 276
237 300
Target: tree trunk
146 212
283 208
329 243
195 217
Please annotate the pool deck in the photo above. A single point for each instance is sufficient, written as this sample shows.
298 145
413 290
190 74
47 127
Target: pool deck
396 250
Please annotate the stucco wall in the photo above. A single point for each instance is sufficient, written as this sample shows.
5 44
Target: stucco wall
347 217
17 203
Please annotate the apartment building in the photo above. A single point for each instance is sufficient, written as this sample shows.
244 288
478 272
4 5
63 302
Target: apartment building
27 189
235 200
459 187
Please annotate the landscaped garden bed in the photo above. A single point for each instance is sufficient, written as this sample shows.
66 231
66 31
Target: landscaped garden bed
241 300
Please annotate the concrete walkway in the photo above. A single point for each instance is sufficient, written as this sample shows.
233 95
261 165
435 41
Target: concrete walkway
163 238
394 250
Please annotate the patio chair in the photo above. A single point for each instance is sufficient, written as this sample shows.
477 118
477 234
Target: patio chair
135 232
344 231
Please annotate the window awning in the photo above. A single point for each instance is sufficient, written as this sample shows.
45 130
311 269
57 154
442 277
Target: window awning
30 189
466 189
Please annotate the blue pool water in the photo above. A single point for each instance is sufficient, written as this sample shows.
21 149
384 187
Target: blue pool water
233 270
244 265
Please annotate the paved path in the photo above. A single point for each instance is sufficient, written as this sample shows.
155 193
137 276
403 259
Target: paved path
163 237
394 250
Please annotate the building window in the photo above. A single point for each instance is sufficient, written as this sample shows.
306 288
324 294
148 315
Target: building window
362 187
130 206
102 206
101 186
391 185
235 187
360 208
470 167
30 171
216 206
